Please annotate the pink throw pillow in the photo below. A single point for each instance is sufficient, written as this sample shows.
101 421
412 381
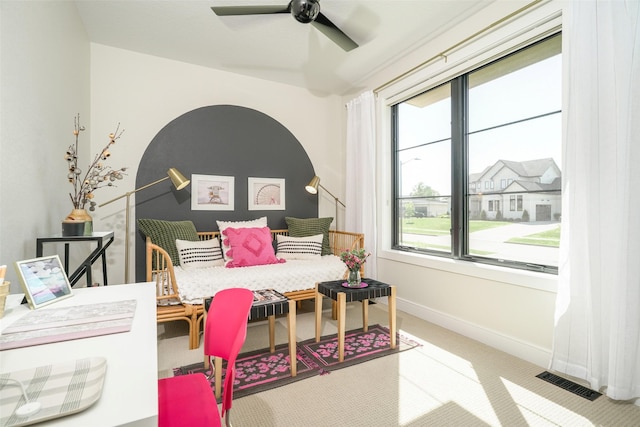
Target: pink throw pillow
250 246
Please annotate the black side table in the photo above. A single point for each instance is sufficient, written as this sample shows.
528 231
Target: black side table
343 295
102 238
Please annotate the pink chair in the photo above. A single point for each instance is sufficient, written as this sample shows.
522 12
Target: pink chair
187 400
224 333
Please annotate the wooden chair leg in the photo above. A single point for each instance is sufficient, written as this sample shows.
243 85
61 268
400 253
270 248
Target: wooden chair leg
365 315
291 324
194 341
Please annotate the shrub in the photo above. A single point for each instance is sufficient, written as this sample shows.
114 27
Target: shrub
409 210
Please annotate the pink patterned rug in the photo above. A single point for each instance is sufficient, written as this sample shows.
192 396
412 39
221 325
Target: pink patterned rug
261 370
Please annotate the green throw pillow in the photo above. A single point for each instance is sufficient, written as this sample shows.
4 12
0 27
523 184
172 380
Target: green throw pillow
310 227
165 233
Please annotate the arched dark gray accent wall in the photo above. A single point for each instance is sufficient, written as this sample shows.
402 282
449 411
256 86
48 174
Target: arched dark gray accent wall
222 140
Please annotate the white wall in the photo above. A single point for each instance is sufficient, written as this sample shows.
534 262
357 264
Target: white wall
44 81
508 309
50 72
144 93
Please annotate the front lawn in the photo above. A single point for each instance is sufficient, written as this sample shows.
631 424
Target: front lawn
549 238
442 226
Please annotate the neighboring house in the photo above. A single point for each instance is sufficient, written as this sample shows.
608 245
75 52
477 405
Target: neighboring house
430 207
507 189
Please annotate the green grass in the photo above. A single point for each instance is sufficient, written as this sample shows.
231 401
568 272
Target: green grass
549 238
442 226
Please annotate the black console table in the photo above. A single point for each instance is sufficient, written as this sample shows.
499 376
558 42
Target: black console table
103 240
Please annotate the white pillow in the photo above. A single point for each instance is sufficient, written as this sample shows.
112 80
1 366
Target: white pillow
222 225
199 254
299 247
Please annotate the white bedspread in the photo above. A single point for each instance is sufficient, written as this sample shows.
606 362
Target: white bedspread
293 275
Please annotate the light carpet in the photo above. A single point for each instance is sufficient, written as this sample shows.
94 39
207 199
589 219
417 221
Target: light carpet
449 380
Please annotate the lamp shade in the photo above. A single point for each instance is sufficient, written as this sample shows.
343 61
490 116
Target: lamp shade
312 186
179 181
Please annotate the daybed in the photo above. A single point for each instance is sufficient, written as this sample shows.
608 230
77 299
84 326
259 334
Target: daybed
180 291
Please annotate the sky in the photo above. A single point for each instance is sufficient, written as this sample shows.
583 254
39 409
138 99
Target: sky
527 92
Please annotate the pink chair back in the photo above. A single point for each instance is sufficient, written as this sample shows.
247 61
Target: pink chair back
226 331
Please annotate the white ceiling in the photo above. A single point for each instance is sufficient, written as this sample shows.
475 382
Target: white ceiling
275 47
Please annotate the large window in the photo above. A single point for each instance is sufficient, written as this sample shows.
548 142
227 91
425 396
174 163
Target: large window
477 163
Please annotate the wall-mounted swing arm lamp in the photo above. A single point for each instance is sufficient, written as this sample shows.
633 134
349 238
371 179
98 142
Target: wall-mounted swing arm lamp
178 180
312 187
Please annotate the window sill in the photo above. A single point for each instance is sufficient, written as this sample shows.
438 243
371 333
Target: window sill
529 279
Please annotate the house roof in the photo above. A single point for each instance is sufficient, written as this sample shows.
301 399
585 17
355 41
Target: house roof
530 168
525 169
555 185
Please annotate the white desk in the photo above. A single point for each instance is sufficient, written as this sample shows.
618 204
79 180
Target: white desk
130 393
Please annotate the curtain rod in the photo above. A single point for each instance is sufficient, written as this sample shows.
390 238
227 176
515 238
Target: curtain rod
444 53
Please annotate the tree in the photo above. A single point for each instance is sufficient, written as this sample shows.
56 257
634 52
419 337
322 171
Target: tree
409 210
423 190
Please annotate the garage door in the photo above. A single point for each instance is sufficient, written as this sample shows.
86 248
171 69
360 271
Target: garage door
543 213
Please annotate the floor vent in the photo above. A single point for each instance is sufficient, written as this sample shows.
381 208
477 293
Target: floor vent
574 388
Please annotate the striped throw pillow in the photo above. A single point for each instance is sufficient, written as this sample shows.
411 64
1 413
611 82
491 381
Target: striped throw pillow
309 248
201 254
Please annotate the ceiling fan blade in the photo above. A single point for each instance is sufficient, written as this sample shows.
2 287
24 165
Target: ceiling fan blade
329 29
249 10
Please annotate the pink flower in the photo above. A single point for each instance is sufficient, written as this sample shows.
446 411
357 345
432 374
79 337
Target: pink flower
354 259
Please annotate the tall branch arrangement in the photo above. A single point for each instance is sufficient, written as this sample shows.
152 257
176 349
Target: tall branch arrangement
98 175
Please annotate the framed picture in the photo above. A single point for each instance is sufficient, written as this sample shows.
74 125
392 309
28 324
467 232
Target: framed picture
43 280
212 193
266 194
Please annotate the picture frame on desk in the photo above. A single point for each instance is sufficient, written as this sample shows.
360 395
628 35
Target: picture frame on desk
43 280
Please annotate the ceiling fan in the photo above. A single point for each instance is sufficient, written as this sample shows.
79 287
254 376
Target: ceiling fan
305 11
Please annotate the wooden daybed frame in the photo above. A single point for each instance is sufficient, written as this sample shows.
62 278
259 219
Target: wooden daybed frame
169 306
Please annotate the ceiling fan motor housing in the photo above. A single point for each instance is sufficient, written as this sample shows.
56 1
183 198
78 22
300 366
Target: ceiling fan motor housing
305 11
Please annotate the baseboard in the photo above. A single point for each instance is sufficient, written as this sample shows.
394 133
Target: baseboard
518 348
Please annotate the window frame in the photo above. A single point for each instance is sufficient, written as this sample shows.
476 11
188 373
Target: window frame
443 58
459 200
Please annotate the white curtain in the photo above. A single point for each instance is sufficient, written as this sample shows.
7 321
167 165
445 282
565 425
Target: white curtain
597 331
360 213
